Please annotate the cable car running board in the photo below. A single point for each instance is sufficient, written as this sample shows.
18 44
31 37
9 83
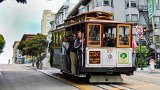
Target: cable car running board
105 79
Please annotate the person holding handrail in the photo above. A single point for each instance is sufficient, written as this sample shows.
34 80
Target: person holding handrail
78 46
73 54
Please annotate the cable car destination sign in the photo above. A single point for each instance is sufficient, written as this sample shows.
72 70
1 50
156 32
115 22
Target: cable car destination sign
94 57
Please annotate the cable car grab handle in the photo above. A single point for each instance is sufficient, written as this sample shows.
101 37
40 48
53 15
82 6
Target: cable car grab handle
82 46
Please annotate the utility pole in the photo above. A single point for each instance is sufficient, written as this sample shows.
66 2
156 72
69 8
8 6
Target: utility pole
139 30
140 44
154 40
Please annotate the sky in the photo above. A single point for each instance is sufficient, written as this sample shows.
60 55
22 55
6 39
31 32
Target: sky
17 19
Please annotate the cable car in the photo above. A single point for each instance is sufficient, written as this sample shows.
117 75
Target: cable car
106 47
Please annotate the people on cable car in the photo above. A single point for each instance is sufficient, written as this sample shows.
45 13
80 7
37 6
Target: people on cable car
125 40
134 45
51 50
78 46
65 46
106 39
109 41
73 54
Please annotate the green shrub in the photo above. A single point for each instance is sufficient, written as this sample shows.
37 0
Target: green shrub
144 52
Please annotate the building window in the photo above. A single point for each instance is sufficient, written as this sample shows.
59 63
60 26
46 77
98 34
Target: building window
87 8
112 3
92 4
48 18
62 16
133 3
82 10
66 12
127 4
156 22
134 18
127 18
96 3
99 3
106 3
112 17
157 5
157 2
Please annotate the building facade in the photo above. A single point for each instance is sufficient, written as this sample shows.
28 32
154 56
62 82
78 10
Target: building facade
61 15
47 17
16 53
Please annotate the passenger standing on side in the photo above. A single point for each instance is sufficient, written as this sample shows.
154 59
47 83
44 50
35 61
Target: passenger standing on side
134 45
158 61
106 39
78 46
73 55
64 50
51 50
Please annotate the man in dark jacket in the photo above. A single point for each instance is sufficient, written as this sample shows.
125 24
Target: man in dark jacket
78 46
73 54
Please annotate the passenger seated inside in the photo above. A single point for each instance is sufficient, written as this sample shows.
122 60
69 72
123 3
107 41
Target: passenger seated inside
106 39
109 41
125 40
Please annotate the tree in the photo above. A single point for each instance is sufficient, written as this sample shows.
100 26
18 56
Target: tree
19 1
2 43
34 47
144 52
39 46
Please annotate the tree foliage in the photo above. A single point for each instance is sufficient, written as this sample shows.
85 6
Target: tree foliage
21 47
144 52
19 1
34 47
39 44
2 43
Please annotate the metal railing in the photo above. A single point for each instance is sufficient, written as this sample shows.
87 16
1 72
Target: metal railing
143 9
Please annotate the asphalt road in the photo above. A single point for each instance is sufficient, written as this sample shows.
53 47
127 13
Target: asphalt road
21 77
28 79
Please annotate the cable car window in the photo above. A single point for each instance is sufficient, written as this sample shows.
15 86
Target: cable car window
124 35
109 36
94 34
53 38
56 39
61 35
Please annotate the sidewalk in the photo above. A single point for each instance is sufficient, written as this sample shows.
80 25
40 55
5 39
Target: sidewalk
49 70
43 68
147 70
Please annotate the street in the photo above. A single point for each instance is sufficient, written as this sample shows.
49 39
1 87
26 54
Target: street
22 77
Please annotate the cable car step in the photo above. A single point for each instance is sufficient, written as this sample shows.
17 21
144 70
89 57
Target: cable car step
105 79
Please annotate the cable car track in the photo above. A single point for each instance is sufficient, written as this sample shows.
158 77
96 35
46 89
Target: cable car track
142 79
84 85
115 86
